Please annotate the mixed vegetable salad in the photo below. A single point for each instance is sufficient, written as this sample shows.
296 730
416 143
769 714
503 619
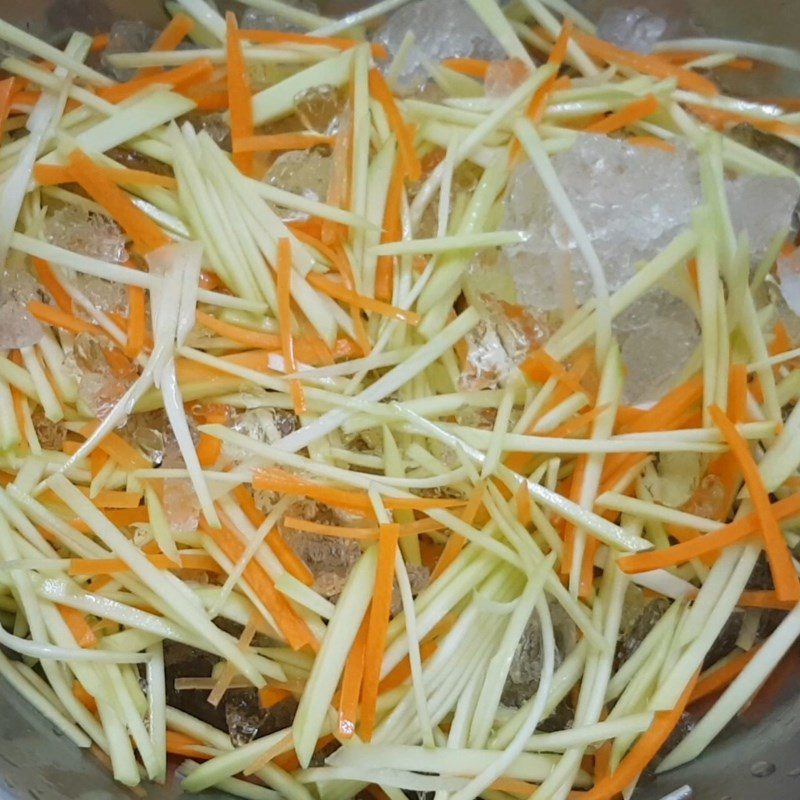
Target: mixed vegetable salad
396 405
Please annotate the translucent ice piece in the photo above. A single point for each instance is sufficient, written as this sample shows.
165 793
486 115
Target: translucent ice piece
303 172
631 200
654 356
789 277
87 233
181 505
127 36
633 29
442 29
329 558
503 77
18 328
318 108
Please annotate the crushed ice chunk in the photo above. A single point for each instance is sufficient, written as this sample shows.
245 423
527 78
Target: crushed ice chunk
181 505
146 432
213 123
87 233
265 425
789 277
631 200
654 355
762 206
256 19
634 29
303 172
127 36
499 342
318 108
675 478
441 29
502 77
708 498
18 327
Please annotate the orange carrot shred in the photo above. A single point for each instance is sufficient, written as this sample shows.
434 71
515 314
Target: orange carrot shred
651 141
280 141
405 141
144 232
191 74
352 677
6 89
455 544
177 29
48 279
643 752
474 67
392 232
240 100
136 321
378 625
78 626
285 320
629 115
784 575
61 319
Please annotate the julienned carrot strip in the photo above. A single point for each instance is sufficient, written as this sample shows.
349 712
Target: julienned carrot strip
784 576
629 115
127 456
650 65
651 141
720 118
179 744
380 90
61 319
97 460
392 232
193 73
643 752
6 90
291 562
285 321
78 626
144 232
378 625
339 292
99 42
764 599
136 328
727 535
369 533
53 174
84 698
88 567
280 141
208 450
292 626
402 672
46 276
719 677
540 367
737 393
239 97
271 695
455 542
559 52
281 481
538 103
286 37
780 340
177 29
255 339
351 682
474 67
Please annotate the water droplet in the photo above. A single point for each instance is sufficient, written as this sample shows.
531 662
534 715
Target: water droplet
762 769
794 773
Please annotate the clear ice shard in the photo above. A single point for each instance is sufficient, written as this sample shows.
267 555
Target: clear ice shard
631 200
655 353
635 29
318 108
441 29
303 172
18 327
789 277
127 36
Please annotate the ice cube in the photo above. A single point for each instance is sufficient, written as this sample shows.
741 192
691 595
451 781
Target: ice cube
441 29
762 206
181 505
127 36
708 499
633 29
265 425
654 355
500 341
256 19
631 200
303 172
502 77
89 234
214 124
146 432
318 108
18 327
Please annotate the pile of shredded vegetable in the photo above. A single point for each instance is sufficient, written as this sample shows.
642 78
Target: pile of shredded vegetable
256 511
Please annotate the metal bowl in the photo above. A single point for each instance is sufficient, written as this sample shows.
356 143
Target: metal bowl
757 756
